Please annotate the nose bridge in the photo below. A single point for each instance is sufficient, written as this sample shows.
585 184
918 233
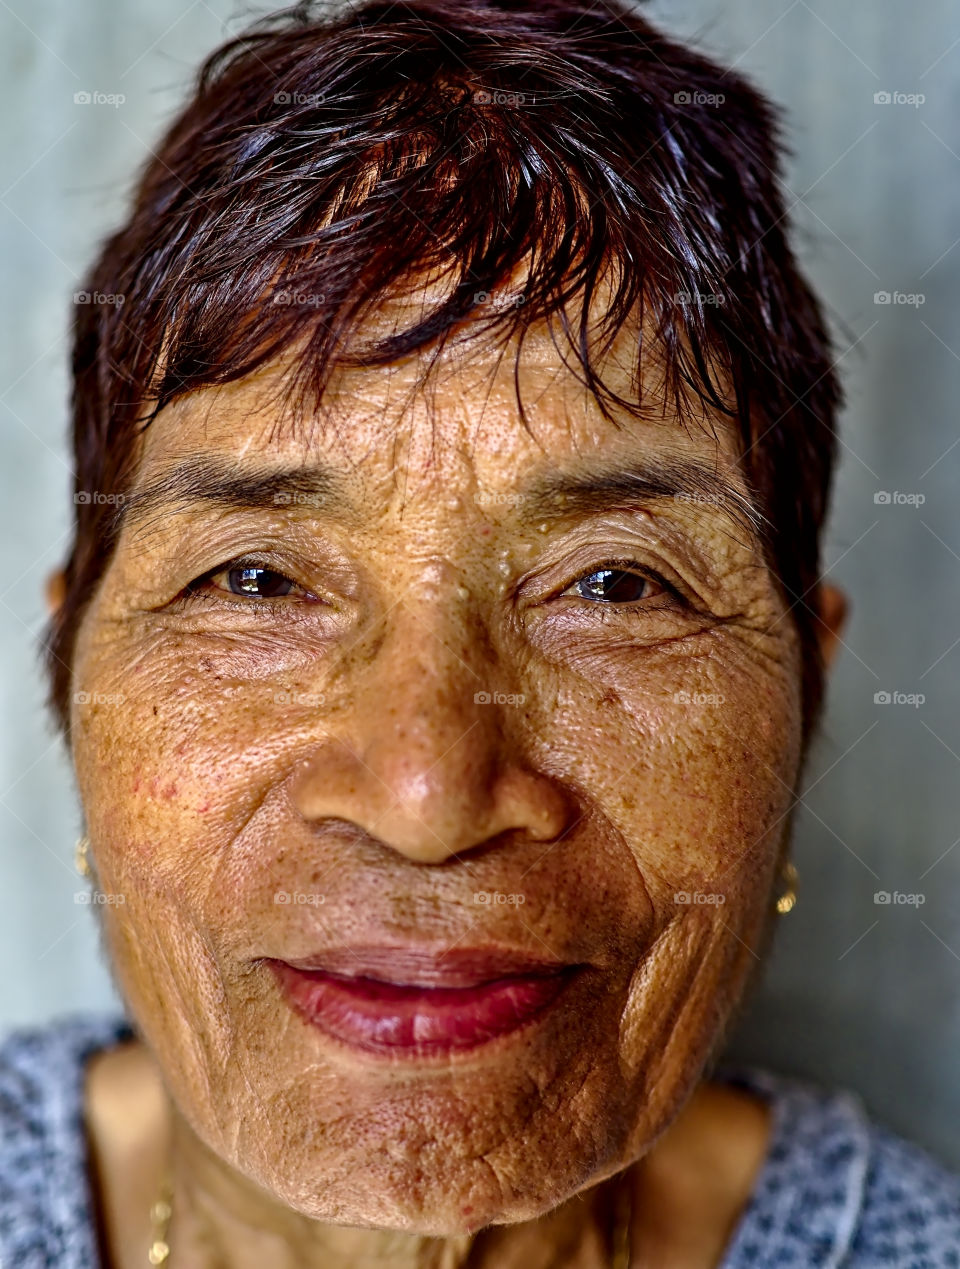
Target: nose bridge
422 760
427 732
435 653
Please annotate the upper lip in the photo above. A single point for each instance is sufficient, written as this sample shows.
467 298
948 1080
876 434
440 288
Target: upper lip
415 965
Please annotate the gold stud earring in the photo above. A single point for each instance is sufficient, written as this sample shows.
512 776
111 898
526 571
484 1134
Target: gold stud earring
81 857
787 899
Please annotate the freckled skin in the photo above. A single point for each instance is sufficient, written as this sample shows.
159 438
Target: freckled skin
220 781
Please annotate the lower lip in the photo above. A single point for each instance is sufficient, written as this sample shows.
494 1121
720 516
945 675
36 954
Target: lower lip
417 1021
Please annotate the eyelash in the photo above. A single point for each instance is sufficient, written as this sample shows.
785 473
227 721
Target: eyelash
197 589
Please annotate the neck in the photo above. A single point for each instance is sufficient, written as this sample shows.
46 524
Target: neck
222 1219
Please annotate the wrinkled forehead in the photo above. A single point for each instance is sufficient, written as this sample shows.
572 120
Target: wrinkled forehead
447 415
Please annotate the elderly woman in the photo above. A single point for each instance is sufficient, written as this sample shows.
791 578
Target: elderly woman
439 651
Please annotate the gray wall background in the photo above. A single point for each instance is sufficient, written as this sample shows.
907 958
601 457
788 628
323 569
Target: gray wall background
857 993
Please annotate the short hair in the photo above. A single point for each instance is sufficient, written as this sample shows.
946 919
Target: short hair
328 156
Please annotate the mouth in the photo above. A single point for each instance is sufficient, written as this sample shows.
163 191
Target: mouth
412 1002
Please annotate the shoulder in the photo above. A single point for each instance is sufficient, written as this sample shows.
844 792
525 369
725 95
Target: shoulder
44 1199
911 1206
838 1189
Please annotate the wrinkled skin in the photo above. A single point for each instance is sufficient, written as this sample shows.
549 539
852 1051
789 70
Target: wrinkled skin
384 785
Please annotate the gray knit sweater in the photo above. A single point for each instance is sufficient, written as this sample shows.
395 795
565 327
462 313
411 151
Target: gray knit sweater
835 1191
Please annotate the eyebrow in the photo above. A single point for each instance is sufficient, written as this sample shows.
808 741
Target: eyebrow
652 479
212 481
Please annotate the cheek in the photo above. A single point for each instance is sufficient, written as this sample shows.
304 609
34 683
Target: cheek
167 773
692 758
168 778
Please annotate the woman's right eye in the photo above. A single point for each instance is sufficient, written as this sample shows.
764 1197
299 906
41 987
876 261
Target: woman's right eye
248 578
261 583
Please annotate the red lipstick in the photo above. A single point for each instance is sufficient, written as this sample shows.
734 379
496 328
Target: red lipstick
411 1001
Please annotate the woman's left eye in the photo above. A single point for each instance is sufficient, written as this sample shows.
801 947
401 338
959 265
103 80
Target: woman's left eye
619 582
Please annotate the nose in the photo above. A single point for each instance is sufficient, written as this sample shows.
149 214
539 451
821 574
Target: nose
421 761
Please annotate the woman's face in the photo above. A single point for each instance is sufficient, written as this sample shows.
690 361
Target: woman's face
456 730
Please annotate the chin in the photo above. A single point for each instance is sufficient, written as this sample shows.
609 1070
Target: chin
426 1206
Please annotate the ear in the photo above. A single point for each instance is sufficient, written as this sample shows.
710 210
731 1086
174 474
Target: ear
832 609
56 590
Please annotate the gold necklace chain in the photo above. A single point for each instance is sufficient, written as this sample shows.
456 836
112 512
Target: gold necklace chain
162 1210
160 1213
